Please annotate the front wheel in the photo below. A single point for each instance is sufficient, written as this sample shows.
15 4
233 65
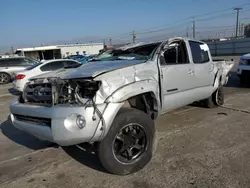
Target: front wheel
129 144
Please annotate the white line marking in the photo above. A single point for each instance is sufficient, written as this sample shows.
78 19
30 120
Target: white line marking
25 155
4 95
185 110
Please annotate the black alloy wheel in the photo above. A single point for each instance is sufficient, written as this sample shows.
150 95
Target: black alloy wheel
130 143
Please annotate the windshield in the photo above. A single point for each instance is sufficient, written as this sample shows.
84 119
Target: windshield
33 66
143 52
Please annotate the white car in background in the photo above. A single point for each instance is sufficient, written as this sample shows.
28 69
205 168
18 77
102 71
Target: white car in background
21 78
243 70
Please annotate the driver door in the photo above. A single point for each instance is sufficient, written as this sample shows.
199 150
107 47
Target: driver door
177 77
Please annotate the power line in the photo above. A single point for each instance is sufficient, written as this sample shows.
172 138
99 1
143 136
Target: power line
180 23
217 30
198 20
114 37
245 19
218 11
191 17
213 27
214 17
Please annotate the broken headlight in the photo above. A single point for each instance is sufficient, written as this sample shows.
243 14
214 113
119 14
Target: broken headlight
87 89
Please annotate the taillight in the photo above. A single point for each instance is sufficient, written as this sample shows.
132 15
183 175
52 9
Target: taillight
20 76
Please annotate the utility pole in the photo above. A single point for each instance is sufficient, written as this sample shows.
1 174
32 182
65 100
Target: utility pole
187 31
133 36
194 29
237 21
12 50
239 29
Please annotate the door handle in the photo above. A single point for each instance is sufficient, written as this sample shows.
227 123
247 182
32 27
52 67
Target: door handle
190 71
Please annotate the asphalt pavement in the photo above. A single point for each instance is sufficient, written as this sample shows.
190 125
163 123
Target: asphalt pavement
197 147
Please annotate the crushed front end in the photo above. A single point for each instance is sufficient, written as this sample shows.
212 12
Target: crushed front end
62 111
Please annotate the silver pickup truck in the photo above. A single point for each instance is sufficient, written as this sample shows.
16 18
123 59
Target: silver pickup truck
113 101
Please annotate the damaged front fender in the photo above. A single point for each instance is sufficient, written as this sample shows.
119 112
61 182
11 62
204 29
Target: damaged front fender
143 86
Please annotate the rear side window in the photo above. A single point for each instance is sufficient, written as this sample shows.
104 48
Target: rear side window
199 52
33 66
17 62
3 63
52 66
57 65
70 63
13 62
46 67
29 62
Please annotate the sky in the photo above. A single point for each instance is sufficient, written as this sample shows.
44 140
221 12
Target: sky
42 22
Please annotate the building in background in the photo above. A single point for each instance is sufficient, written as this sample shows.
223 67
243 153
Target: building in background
60 51
7 55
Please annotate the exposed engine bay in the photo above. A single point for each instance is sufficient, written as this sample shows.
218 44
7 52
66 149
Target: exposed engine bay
53 91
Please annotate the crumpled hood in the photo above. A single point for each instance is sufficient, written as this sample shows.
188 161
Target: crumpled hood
91 69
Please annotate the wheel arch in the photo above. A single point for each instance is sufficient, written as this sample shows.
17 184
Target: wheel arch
146 101
217 79
145 89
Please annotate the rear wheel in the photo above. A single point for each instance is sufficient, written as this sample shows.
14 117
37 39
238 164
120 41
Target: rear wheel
129 144
216 99
4 78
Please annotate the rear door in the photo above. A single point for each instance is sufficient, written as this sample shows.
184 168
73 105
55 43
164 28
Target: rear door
203 67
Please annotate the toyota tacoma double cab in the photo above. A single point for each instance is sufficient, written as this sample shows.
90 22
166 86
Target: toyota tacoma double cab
112 102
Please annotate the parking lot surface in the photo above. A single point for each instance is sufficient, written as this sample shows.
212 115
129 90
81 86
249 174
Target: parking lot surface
197 147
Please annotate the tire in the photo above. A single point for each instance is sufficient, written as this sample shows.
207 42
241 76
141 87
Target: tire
216 99
110 148
4 78
244 77
243 80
